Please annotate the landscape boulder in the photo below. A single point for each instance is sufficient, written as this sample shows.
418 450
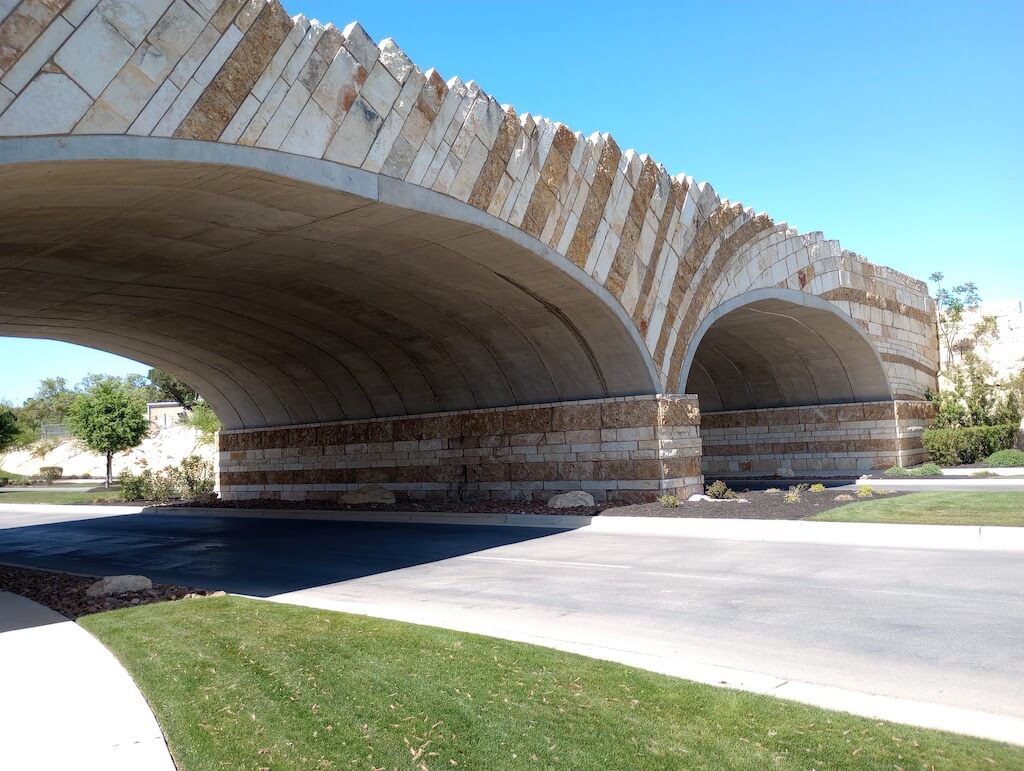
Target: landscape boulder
571 500
118 585
374 493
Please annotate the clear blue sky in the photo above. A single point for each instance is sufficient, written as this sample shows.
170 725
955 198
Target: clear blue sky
894 127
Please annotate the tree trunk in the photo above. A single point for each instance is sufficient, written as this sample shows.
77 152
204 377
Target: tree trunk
110 459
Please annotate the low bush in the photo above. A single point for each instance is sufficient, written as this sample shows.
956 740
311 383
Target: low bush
668 501
897 471
927 470
719 489
51 473
194 477
792 497
4 481
1005 458
818 487
865 491
956 446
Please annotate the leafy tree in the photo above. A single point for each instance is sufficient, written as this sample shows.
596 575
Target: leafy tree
49 404
9 429
109 417
952 304
170 388
205 421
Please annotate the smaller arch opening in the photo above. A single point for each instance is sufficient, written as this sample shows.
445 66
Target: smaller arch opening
782 348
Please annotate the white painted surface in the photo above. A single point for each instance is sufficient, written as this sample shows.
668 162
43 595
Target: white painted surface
67 702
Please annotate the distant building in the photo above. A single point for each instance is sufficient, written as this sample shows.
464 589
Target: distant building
163 415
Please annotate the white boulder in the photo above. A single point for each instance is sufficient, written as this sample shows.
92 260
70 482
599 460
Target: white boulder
571 500
374 493
119 585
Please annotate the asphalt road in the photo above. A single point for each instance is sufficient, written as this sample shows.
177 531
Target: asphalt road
937 626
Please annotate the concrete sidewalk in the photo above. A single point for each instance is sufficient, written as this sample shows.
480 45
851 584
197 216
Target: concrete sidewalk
956 537
66 702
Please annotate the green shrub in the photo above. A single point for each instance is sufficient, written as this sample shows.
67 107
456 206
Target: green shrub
668 501
897 471
984 475
801 488
4 481
817 488
956 446
718 489
927 470
196 477
792 497
51 473
1005 458
865 491
136 487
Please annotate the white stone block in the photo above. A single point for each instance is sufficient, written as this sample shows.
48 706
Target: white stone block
233 131
50 104
155 109
383 142
133 19
215 59
32 60
380 90
359 44
311 132
279 126
339 86
395 60
94 54
176 113
197 52
356 134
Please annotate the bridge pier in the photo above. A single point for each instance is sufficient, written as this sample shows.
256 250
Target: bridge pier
624 449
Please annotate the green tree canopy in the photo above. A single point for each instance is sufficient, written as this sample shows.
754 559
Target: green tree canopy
9 429
109 417
172 388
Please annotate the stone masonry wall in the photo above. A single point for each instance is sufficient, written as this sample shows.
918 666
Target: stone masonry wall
833 438
668 248
622 449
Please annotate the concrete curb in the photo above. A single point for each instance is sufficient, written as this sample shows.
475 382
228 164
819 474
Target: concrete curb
952 537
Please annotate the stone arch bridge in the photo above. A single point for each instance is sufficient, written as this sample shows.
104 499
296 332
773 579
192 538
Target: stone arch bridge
377 275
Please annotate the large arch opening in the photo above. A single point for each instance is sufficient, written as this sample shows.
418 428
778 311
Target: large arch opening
788 384
289 290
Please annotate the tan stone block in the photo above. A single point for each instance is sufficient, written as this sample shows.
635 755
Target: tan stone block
631 413
575 417
488 472
527 420
481 424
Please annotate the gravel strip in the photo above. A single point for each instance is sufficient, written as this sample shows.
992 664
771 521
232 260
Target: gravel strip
65 592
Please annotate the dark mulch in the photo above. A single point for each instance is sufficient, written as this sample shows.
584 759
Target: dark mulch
426 507
65 592
760 505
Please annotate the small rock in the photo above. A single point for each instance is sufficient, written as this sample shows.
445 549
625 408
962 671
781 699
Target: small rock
571 500
785 473
374 493
843 497
218 593
118 585
717 500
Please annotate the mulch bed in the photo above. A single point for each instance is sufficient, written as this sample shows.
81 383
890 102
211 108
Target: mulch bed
65 592
760 505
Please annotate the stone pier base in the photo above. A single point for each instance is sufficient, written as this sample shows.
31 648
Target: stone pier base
831 438
621 450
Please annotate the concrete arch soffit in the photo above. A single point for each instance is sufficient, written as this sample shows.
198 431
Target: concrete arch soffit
327 174
792 296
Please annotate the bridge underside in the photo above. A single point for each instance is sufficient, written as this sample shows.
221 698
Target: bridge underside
286 303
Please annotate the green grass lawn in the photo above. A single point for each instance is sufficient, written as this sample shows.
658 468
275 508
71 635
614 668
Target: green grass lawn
58 496
981 508
239 683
